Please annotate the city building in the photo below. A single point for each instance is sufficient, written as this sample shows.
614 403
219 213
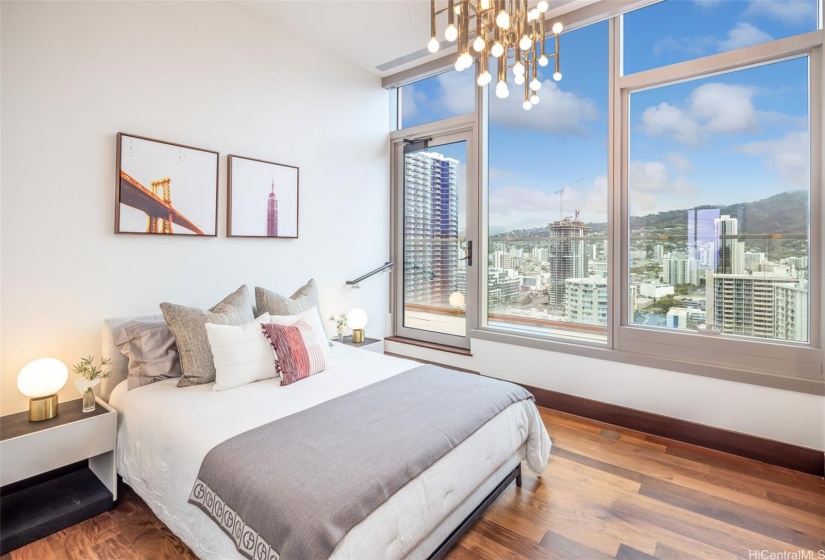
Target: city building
586 300
700 235
272 213
759 304
567 258
729 252
503 286
753 261
680 270
655 290
430 215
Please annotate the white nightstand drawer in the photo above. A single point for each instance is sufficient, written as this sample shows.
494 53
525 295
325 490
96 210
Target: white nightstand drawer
35 453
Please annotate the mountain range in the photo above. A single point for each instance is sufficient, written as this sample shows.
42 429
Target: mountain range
782 213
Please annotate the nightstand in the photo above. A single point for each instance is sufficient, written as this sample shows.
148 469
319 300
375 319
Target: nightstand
55 473
371 344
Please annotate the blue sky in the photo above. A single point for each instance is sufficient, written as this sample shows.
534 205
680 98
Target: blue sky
729 138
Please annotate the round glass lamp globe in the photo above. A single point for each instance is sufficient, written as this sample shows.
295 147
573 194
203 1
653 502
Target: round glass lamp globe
357 318
42 377
456 299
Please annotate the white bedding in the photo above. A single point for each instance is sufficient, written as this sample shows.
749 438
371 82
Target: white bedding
165 432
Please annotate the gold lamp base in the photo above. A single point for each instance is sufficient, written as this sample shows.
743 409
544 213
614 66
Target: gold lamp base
42 408
357 335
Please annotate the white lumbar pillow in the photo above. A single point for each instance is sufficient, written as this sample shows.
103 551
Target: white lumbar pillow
312 317
242 354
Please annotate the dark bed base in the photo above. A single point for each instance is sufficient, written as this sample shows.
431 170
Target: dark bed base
468 522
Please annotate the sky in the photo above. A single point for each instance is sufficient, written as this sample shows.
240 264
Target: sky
729 138
252 181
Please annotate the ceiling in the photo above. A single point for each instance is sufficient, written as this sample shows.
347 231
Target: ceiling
379 36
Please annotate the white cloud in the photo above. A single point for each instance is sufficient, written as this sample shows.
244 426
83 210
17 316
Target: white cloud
788 155
667 120
651 185
739 36
521 199
724 108
711 108
706 4
458 92
409 107
743 35
679 163
789 12
558 112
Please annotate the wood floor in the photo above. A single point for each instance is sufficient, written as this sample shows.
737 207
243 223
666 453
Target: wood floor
607 493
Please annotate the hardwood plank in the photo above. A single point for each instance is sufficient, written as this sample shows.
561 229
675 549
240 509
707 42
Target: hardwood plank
629 553
38 550
116 548
74 546
560 546
665 552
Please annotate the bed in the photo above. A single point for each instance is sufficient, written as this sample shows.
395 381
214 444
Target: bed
160 449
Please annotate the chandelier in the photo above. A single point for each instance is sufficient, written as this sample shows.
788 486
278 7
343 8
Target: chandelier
508 31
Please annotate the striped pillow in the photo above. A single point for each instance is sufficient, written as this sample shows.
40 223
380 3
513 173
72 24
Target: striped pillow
298 351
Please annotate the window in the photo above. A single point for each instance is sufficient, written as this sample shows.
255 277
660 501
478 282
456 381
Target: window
647 211
439 97
719 190
680 30
547 199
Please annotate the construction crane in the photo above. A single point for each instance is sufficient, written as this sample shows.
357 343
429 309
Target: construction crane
560 192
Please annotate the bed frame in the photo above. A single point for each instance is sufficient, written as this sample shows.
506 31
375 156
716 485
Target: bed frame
470 520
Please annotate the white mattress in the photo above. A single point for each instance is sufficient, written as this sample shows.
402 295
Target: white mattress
165 432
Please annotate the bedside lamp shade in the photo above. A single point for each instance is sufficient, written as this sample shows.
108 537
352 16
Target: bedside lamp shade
357 319
40 380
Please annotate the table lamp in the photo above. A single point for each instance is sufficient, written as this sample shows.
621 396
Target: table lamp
357 319
40 380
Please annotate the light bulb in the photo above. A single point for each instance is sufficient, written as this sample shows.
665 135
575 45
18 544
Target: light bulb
502 91
484 78
497 50
518 68
457 9
456 299
525 43
357 318
479 44
542 6
527 105
534 99
451 33
503 19
433 45
518 79
532 14
42 377
485 4
543 60
557 76
535 85
557 27
459 66
466 60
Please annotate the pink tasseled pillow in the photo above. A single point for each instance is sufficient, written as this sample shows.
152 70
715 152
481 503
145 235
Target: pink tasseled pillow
298 351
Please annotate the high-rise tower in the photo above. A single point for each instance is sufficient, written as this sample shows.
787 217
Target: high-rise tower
430 228
566 258
272 213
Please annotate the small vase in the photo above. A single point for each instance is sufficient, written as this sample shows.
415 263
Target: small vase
340 337
85 387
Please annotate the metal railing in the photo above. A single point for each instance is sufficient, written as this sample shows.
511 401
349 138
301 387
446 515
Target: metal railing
385 266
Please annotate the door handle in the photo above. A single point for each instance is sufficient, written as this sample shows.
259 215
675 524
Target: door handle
468 254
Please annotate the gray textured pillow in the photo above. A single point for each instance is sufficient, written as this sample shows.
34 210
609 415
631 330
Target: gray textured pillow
151 350
187 324
306 297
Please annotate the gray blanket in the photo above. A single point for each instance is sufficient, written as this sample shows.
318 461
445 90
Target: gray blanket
293 488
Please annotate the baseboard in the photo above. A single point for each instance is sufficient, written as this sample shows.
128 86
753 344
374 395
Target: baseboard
429 345
768 451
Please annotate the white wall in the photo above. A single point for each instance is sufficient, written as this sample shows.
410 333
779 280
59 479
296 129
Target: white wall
775 414
203 74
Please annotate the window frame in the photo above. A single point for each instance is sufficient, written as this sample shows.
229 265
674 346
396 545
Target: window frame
787 366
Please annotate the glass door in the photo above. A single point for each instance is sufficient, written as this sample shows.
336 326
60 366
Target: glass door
434 240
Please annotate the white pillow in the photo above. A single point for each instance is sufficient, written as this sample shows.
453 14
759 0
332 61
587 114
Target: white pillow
242 354
312 317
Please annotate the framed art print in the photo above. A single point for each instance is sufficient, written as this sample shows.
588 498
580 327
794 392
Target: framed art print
165 188
263 199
